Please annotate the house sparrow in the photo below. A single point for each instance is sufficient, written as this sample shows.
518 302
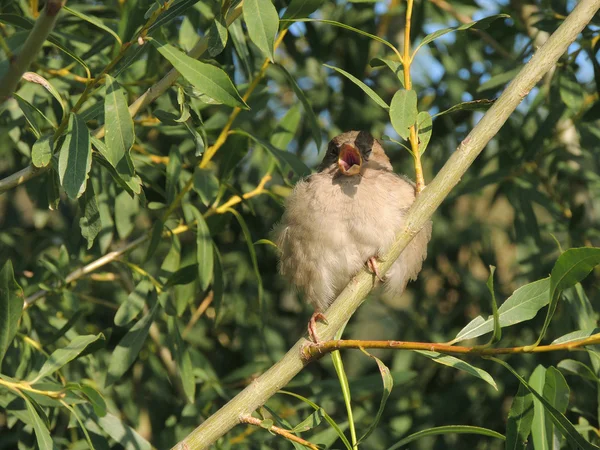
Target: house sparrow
343 217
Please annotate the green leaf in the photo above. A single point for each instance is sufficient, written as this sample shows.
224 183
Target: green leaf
11 307
89 223
131 307
571 91
571 267
75 158
459 364
208 79
120 134
475 105
95 399
42 434
301 8
565 427
29 112
312 119
123 433
403 112
309 423
327 417
476 25
185 275
282 157
206 185
286 128
394 66
62 356
520 418
204 251
129 346
173 174
155 238
262 21
94 21
366 89
217 36
41 152
184 362
336 358
573 367
424 130
38 79
576 336
388 384
252 251
522 305
266 242
122 175
497 334
218 284
447 429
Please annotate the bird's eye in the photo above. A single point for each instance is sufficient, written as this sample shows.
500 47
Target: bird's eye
332 148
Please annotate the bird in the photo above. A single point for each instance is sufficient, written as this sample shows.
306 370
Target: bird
344 217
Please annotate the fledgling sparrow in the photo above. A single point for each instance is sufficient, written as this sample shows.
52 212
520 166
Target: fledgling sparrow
346 215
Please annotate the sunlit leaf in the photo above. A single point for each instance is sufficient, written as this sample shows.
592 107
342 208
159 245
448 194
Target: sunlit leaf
75 158
366 89
403 111
262 21
459 364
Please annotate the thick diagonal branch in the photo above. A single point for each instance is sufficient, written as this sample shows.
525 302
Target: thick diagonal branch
427 202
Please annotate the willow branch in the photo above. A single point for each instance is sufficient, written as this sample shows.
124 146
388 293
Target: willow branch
141 102
18 64
265 386
315 351
280 431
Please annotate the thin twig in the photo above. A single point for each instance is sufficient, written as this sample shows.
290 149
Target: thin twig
277 430
204 304
314 351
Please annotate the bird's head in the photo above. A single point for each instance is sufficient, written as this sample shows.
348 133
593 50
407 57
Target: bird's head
351 153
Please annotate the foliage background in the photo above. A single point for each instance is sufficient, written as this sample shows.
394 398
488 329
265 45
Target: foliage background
535 184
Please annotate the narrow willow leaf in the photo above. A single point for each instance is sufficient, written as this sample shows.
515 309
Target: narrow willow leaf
75 158
425 128
475 105
38 79
309 423
133 305
155 238
522 305
573 367
576 336
42 434
388 384
301 8
11 307
312 119
571 91
286 128
30 115
89 223
459 364
185 275
476 25
217 36
94 21
497 333
447 429
565 427
366 89
262 21
208 79
123 433
282 157
122 174
41 152
204 251
129 347
327 417
120 134
520 418
338 364
218 284
183 360
95 398
173 174
241 47
64 355
394 66
403 111
206 185
571 267
252 251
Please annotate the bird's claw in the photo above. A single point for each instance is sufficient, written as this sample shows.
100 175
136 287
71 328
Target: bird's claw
312 326
372 265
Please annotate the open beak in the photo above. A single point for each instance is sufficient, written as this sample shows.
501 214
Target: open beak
349 161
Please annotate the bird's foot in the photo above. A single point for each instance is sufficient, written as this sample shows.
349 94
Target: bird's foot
372 265
312 326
